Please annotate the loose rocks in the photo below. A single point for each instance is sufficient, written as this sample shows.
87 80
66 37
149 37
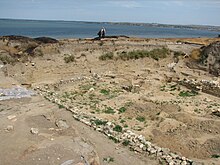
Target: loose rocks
34 131
62 124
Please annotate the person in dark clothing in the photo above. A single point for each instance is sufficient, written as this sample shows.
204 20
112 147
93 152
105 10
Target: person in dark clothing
102 33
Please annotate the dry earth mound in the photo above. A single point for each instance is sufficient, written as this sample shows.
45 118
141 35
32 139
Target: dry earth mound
19 48
210 57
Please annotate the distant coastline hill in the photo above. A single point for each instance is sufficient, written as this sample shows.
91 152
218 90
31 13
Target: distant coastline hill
196 27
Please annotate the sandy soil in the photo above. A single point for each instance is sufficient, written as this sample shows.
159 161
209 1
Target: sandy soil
152 108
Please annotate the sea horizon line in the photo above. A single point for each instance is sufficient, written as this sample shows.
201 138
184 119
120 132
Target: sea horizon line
111 22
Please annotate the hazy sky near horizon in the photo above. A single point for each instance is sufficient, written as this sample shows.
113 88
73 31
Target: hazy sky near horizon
205 12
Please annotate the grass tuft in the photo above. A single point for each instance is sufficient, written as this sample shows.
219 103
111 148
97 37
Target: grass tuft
155 54
117 128
140 118
188 93
178 53
7 59
122 110
109 110
137 54
126 142
104 91
99 122
106 56
69 58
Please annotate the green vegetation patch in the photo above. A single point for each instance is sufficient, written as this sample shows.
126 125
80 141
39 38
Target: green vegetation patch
107 56
155 54
137 128
114 139
171 87
178 53
140 118
122 110
105 92
126 142
122 121
109 110
60 106
188 93
7 59
117 128
99 122
108 159
133 55
69 58
86 87
137 54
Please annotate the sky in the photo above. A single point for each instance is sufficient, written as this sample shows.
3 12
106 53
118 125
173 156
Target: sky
197 12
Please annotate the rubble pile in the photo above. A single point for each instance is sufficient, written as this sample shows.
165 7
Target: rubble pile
206 86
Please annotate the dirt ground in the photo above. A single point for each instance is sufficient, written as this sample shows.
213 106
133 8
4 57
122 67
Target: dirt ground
153 107
53 145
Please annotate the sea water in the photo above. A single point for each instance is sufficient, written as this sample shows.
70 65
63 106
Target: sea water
73 29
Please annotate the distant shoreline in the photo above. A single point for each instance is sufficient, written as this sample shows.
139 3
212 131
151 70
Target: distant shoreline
195 27
79 29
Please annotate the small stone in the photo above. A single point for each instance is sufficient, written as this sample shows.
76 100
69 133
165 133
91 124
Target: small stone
141 146
184 163
141 137
109 123
10 128
91 90
144 148
171 162
11 117
137 149
157 148
34 131
169 159
216 112
174 156
153 151
62 124
159 154
68 162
